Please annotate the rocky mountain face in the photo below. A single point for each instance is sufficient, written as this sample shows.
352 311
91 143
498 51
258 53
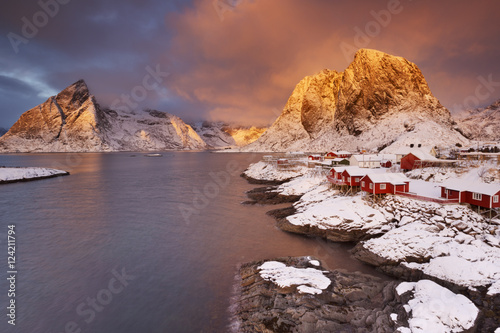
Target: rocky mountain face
74 121
221 135
379 100
481 124
3 131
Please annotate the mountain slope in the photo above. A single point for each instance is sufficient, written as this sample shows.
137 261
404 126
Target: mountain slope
482 123
221 135
73 121
377 101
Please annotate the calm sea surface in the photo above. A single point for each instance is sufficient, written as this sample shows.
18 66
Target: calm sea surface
129 243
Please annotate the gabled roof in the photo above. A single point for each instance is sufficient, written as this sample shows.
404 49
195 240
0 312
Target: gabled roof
391 178
339 168
357 171
422 155
475 187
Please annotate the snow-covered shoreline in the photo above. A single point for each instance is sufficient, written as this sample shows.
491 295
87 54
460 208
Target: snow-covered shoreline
21 174
406 238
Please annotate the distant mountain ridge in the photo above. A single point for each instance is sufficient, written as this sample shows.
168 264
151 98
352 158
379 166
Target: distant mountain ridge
482 123
218 134
378 101
72 121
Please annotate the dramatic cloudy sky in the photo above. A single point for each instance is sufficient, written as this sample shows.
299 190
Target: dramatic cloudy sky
235 60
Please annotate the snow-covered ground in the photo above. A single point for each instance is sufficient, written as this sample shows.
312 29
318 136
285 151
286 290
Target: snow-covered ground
325 209
434 309
14 174
476 172
267 171
451 242
307 280
454 243
301 184
426 189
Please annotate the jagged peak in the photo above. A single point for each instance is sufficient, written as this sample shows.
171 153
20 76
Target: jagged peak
374 59
77 88
74 95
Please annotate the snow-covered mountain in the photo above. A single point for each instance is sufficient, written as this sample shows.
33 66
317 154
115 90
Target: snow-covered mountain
220 135
378 101
481 124
74 121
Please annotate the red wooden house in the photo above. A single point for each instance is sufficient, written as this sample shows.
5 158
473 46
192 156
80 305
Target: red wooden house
338 154
415 160
335 176
315 157
384 183
330 156
477 194
385 163
352 176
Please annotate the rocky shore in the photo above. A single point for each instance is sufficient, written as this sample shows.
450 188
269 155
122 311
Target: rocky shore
407 239
268 196
295 294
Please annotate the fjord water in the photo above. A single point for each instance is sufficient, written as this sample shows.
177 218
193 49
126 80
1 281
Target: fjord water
113 232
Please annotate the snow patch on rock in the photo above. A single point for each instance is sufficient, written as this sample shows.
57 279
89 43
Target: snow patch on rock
437 309
307 280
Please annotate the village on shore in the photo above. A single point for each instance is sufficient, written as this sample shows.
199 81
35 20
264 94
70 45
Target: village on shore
421 216
379 174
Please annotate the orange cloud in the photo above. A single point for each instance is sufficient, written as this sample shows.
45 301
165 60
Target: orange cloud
243 68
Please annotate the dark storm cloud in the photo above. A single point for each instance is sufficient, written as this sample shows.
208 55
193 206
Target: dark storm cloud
107 43
240 60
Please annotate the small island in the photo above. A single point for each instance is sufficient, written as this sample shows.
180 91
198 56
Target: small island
21 174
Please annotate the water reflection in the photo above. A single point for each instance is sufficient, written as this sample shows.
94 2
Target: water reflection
117 211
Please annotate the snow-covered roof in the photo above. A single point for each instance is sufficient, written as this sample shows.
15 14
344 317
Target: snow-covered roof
339 168
374 158
339 159
476 187
423 155
391 178
357 171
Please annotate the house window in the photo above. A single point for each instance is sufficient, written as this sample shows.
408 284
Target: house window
382 186
363 185
349 179
371 186
495 199
477 196
356 180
